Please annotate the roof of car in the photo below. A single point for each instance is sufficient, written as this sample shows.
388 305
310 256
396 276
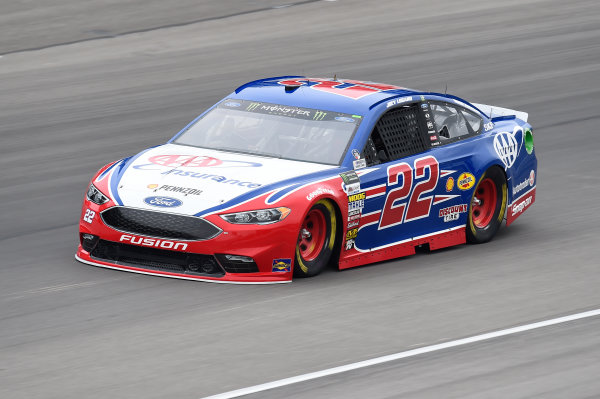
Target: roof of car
339 95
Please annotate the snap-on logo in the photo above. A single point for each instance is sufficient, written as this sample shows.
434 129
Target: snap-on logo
163 202
522 205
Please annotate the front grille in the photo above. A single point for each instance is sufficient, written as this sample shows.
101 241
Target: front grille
157 259
235 266
158 224
241 268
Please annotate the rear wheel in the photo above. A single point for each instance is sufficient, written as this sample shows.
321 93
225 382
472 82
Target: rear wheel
487 207
316 240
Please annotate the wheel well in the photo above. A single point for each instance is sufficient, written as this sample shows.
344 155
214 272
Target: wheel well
499 167
335 257
496 166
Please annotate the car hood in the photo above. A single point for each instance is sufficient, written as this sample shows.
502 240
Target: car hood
187 180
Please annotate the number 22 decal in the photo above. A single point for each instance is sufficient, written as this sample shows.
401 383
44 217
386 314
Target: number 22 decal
396 211
89 216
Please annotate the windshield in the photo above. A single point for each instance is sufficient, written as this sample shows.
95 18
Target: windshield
273 130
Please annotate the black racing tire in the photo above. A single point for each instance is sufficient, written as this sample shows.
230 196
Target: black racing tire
487 207
316 240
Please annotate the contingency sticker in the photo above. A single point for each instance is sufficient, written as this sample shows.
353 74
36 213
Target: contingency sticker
351 234
351 182
466 181
453 212
282 265
359 163
356 202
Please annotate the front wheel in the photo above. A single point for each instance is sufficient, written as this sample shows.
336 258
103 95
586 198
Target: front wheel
316 240
487 207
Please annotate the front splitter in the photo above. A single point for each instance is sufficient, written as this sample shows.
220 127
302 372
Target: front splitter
132 269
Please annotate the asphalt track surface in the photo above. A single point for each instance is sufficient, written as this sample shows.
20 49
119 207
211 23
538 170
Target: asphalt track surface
137 72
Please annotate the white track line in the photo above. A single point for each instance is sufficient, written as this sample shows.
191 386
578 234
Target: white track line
401 355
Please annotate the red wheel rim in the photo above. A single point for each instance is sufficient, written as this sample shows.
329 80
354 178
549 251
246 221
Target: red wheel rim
484 203
312 235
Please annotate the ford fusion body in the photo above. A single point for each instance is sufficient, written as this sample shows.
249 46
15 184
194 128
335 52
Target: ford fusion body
287 175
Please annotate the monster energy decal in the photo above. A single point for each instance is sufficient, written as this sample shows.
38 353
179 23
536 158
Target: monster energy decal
350 177
285 110
252 106
319 115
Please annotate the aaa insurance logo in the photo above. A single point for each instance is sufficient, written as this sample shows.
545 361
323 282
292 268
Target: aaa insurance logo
508 145
195 161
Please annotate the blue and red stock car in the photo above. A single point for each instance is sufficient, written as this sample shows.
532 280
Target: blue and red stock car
287 175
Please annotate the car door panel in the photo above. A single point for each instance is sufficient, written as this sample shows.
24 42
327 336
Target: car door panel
417 195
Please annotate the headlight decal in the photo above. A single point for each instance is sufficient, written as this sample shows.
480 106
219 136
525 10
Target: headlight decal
96 196
259 216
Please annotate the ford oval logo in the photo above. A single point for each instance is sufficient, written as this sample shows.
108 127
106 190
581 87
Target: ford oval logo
162 202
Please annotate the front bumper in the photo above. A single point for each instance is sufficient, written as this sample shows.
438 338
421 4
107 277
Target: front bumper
213 260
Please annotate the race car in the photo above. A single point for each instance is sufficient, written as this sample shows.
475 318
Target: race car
287 175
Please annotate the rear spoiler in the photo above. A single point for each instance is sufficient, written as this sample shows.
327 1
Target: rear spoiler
495 112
